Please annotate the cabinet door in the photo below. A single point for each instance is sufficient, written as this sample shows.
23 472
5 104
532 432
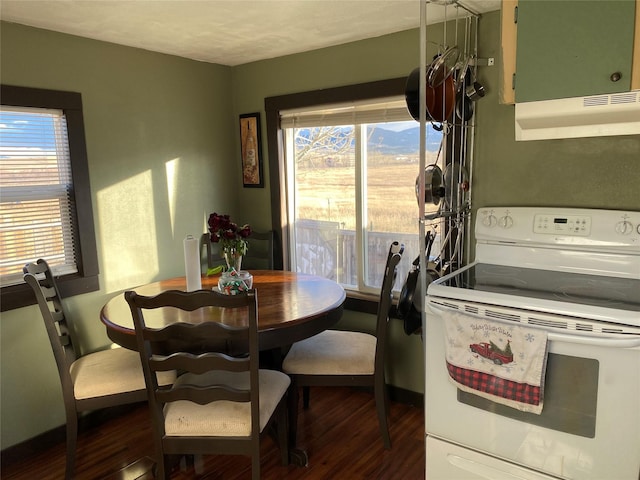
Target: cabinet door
572 48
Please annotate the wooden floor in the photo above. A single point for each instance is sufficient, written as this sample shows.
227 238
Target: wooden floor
339 432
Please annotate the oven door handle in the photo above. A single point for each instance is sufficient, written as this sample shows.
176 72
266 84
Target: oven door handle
595 341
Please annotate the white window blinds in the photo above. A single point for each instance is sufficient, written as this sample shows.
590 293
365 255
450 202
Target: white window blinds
36 192
353 113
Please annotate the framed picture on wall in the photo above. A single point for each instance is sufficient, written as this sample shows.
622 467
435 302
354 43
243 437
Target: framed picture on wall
250 149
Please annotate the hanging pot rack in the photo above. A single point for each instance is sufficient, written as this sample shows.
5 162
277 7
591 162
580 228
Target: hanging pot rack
449 186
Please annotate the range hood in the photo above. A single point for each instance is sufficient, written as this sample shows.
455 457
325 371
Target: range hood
594 116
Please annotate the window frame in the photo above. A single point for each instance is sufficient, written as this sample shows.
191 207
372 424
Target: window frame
275 139
86 278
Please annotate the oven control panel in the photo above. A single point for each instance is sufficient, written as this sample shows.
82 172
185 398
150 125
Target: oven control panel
563 224
590 229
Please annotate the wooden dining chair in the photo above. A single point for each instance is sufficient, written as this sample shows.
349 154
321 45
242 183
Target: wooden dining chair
222 403
260 252
345 358
94 381
212 256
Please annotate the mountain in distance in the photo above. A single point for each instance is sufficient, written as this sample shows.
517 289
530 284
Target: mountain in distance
386 141
404 142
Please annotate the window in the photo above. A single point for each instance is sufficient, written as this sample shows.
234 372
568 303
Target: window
348 172
45 202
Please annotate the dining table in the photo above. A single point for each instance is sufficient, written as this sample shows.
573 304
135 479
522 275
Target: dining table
291 307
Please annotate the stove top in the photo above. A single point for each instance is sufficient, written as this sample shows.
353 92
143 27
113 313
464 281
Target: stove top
576 263
580 289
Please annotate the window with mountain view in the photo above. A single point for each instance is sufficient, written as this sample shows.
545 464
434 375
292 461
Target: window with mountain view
351 189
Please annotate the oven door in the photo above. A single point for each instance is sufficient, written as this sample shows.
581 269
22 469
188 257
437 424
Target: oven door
589 428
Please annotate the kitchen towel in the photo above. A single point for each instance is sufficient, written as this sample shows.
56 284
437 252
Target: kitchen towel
504 363
192 263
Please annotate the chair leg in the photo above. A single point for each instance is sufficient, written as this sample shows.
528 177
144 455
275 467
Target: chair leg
305 397
162 468
293 398
72 441
198 464
283 432
194 461
255 465
382 407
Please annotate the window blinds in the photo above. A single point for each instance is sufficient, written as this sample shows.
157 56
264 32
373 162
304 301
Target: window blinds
353 113
36 192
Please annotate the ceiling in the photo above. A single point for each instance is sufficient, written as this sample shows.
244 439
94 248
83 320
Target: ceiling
231 32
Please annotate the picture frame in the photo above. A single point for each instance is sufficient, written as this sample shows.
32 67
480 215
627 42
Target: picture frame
251 150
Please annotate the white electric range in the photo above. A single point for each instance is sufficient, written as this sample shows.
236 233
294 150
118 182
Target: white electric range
575 275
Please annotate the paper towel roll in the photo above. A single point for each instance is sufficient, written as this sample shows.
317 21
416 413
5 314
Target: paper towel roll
192 263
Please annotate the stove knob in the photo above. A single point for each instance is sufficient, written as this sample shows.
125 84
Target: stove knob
624 227
490 220
506 221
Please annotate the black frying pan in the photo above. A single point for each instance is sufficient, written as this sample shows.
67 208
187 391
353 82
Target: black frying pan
405 301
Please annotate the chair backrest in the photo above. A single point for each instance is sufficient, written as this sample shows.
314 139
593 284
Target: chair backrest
386 298
260 252
39 277
197 349
212 256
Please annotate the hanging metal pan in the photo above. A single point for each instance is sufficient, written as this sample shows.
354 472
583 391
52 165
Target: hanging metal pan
456 183
440 99
433 186
442 66
463 73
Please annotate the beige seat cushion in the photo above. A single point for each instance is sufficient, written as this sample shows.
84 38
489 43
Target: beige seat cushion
224 418
106 372
332 352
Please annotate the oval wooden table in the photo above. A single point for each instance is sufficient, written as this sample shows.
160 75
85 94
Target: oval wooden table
291 307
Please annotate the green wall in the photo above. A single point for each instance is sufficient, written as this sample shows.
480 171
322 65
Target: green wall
159 132
598 172
602 172
162 139
389 56
595 172
379 58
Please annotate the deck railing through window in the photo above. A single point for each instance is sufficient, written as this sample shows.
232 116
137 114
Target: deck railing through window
324 249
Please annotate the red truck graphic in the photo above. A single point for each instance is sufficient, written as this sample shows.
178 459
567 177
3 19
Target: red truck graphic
493 352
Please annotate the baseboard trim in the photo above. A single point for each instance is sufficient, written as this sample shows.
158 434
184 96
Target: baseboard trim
58 435
408 397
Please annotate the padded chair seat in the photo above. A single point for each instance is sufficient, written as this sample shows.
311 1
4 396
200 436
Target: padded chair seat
97 380
106 372
224 418
332 352
221 404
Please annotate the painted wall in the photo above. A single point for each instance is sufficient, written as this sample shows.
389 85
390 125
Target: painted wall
162 139
601 172
389 56
598 172
159 132
590 172
379 58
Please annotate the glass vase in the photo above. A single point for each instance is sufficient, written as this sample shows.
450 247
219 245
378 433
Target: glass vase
233 257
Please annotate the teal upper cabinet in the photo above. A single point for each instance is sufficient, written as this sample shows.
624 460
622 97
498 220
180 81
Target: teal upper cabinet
573 48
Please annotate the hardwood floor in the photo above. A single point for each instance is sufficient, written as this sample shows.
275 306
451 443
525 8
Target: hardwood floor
339 432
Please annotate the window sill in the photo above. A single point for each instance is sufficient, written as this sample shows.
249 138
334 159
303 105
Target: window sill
366 303
362 302
21 295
